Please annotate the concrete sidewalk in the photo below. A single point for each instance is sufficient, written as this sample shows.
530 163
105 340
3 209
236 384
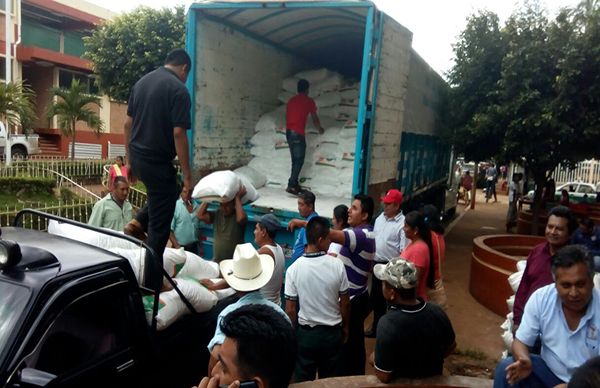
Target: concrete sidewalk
476 327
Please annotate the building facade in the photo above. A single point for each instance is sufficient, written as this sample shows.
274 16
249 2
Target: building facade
47 51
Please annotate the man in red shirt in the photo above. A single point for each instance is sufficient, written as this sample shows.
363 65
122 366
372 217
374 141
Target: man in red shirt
298 108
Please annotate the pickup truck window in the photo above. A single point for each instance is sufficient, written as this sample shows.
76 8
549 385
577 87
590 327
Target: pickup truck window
89 330
14 301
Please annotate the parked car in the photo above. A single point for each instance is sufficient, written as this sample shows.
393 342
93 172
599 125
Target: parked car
21 145
577 191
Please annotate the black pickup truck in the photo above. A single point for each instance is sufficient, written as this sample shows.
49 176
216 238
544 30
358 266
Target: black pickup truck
72 316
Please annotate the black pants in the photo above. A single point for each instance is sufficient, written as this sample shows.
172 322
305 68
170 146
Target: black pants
297 145
192 247
318 351
378 303
161 184
354 356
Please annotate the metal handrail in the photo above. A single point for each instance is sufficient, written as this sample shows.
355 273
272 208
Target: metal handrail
17 223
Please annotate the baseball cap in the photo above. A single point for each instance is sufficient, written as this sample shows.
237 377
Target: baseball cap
399 273
393 196
269 221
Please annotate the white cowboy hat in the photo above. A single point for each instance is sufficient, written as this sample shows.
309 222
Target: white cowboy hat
249 270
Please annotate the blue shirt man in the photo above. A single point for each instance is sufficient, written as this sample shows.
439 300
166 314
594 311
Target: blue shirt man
185 224
306 208
566 316
589 235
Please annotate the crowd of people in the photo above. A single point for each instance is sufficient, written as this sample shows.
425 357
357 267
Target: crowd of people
317 329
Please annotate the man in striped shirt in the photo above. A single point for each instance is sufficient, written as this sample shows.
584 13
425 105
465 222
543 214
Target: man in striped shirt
357 254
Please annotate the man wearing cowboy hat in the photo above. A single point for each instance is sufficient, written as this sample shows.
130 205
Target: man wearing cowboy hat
246 273
414 336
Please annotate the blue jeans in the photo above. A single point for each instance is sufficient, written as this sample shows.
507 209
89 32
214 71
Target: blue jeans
541 376
297 144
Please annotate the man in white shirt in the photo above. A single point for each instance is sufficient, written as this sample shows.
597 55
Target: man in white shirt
389 242
566 316
318 283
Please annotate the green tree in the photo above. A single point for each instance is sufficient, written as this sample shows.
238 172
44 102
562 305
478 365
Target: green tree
123 49
72 105
474 81
16 105
578 84
543 108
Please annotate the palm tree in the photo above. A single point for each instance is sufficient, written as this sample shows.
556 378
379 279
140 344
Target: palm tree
70 107
16 105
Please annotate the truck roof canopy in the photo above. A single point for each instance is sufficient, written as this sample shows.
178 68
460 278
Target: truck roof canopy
325 34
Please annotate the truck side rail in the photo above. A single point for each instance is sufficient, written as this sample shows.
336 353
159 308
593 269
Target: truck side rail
18 223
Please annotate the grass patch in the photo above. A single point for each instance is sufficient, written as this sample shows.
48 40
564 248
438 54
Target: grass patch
26 200
472 353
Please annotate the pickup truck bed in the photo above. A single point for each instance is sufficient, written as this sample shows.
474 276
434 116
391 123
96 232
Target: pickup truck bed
74 317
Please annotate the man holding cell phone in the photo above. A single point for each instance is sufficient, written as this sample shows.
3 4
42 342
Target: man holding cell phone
259 350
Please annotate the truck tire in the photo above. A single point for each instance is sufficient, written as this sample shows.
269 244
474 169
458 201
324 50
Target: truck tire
18 153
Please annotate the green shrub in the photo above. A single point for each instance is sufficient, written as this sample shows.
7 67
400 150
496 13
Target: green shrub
12 185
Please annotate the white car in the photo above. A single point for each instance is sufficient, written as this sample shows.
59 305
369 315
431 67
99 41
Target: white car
577 191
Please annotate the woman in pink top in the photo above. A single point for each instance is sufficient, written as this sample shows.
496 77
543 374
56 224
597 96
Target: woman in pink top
419 251
432 219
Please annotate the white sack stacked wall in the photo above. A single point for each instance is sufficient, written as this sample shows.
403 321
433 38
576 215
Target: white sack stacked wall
329 162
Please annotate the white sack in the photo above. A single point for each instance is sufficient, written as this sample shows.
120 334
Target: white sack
136 260
507 338
172 258
331 134
196 267
221 186
87 236
290 84
328 99
514 280
257 178
349 94
271 121
521 264
314 75
510 302
332 83
251 193
327 150
172 307
285 96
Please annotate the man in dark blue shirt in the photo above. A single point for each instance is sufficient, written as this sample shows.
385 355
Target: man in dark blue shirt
158 116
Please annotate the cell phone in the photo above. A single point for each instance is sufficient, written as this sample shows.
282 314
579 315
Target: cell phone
243 384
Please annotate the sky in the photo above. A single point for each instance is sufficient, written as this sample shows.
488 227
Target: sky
435 24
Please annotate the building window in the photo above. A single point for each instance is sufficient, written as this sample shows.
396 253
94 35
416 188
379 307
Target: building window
66 77
3 69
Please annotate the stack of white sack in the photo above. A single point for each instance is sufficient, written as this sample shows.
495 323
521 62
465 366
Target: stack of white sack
223 186
185 267
507 326
329 160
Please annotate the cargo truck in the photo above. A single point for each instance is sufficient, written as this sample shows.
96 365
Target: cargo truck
242 51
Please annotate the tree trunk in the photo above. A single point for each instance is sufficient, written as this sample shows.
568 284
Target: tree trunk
73 141
540 181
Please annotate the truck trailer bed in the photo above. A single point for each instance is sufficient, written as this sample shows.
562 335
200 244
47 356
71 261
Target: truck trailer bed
275 198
